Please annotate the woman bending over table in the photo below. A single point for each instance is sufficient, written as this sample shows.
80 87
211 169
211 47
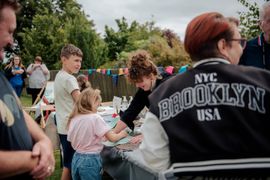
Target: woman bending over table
144 74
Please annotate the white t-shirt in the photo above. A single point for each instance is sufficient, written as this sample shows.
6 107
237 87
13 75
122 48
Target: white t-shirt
85 133
64 85
37 79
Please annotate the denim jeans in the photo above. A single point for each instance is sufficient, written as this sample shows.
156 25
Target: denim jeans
86 167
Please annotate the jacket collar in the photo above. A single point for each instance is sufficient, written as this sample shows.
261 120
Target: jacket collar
211 61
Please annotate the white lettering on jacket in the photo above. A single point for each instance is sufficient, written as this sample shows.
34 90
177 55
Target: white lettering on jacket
208 92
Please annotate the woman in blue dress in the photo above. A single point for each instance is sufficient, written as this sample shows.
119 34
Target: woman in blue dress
15 73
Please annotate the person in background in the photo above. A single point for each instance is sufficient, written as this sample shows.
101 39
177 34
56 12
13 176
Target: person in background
217 110
38 73
144 74
83 82
257 51
86 129
66 92
25 151
15 73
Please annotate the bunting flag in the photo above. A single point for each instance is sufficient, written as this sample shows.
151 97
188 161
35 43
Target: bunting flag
90 71
183 69
169 69
115 79
160 69
126 71
98 70
108 72
121 72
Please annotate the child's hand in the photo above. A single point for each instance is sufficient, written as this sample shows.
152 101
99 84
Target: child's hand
104 138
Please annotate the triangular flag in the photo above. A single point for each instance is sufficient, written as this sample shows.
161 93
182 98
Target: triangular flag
121 72
169 69
126 71
115 79
183 69
160 69
103 71
98 70
90 71
108 72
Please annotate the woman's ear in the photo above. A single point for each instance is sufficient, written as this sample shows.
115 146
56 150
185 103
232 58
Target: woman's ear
222 47
260 24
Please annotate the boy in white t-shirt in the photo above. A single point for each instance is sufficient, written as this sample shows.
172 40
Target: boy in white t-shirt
66 91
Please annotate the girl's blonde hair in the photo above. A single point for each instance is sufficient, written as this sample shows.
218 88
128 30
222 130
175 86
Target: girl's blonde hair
86 103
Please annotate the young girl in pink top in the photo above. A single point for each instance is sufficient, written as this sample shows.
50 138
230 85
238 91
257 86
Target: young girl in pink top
85 132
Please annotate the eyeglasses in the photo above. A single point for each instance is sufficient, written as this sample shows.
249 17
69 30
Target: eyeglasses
242 42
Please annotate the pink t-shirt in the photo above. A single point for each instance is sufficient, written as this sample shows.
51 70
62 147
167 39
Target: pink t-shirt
85 133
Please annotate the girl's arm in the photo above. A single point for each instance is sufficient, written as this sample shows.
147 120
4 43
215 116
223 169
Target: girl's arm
113 137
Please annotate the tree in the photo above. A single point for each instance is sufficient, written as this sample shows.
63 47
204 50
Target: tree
168 50
249 20
30 8
128 37
52 29
45 39
165 46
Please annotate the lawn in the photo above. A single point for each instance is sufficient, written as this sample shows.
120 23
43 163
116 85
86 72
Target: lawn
27 101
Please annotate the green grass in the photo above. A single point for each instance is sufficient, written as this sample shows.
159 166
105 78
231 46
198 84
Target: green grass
58 170
27 101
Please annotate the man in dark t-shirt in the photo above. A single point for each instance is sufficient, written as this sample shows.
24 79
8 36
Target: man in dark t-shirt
25 151
14 134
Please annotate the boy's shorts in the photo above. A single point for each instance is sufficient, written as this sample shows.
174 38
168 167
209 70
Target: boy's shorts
68 151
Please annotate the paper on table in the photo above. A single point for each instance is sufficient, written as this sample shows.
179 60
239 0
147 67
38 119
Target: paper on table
113 122
117 103
105 110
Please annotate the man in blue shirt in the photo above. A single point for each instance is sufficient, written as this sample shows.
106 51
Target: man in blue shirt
257 51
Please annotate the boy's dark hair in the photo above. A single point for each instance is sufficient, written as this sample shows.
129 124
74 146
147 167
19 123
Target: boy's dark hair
69 50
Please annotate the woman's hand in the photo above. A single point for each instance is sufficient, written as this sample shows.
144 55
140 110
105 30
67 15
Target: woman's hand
136 139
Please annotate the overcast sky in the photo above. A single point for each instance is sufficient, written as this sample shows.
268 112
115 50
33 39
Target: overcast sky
170 14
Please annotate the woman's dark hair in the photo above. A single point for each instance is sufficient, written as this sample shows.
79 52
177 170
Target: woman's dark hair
140 65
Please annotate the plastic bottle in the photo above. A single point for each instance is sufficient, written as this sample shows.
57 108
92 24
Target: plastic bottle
124 103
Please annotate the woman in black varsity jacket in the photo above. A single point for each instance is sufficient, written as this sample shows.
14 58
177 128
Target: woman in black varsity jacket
214 118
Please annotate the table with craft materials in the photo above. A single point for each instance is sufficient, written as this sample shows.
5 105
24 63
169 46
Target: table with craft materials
123 160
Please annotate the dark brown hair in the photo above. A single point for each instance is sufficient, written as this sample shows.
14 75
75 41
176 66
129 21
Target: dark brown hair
11 64
83 82
203 33
38 58
140 65
69 50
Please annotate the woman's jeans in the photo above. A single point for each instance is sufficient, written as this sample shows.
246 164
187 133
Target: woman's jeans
86 166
